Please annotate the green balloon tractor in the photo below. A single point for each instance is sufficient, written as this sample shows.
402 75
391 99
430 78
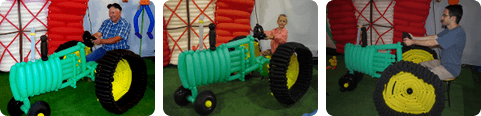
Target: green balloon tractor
120 78
289 69
366 59
404 87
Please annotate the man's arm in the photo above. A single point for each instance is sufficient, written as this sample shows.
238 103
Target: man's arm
429 37
112 40
425 38
429 42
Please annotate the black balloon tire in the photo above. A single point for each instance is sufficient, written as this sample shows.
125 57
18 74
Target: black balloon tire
180 96
39 107
104 78
199 104
422 73
13 107
352 79
278 68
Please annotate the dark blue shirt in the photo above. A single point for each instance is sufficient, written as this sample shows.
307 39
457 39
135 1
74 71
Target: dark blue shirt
453 42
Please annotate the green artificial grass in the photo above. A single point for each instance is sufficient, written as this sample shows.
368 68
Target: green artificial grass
464 94
82 100
236 98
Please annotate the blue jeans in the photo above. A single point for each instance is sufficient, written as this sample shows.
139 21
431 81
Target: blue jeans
96 55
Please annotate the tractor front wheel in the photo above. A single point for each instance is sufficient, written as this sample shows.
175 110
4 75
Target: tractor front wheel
205 102
39 108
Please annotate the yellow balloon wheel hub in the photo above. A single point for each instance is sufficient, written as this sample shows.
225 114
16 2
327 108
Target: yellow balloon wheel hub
292 71
346 85
122 79
417 56
406 93
40 114
208 103
87 50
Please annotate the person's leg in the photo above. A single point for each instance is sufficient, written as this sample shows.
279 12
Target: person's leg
95 55
431 64
442 73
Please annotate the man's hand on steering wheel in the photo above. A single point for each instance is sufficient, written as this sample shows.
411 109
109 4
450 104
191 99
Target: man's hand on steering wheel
97 41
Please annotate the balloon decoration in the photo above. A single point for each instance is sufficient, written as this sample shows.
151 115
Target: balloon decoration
410 17
144 5
166 46
65 22
453 2
343 22
232 19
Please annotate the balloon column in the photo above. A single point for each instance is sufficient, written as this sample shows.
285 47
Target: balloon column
232 19
453 2
410 17
343 23
65 22
166 46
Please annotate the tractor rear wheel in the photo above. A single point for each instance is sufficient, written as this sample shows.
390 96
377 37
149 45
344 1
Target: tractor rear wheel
279 71
407 88
418 54
120 81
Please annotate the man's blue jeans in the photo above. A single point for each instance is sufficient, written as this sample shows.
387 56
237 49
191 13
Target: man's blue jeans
96 55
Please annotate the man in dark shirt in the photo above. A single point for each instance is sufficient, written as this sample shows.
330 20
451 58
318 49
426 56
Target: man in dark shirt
452 40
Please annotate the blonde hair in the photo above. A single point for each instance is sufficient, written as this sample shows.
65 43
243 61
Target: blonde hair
280 17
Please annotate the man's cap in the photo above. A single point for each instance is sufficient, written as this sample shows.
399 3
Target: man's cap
115 5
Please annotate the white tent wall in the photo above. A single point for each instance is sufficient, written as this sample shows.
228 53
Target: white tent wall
381 6
176 28
97 12
469 22
301 20
9 31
